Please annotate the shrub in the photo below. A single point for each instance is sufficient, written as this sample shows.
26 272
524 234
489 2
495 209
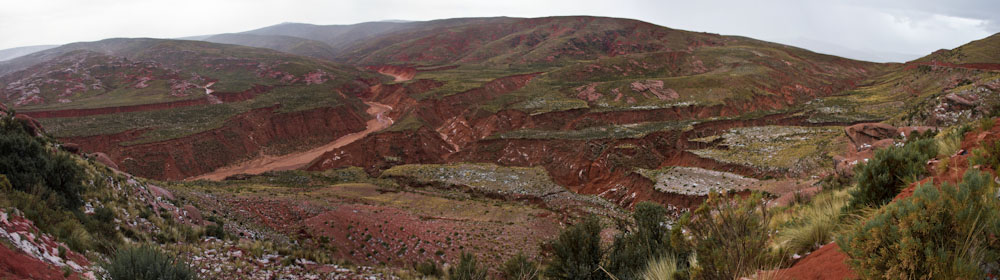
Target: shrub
941 233
520 268
729 236
216 228
467 269
986 123
880 179
30 167
631 251
988 155
577 252
428 268
145 262
662 268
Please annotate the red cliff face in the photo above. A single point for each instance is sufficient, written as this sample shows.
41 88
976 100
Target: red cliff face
260 131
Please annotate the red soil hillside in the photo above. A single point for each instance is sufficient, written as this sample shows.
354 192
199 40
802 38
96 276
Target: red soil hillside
525 40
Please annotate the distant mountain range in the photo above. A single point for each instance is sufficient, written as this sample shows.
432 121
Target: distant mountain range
8 54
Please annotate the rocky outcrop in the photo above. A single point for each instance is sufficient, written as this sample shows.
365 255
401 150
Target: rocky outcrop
863 135
656 88
259 131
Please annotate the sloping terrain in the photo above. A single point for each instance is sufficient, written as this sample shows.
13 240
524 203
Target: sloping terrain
287 44
212 104
12 53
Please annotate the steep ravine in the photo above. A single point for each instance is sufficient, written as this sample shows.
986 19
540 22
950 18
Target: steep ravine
298 160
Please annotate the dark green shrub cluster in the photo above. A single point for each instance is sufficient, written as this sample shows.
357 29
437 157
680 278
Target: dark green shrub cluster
468 268
216 229
520 268
988 155
729 237
47 185
145 262
946 233
882 177
32 168
577 253
428 268
631 251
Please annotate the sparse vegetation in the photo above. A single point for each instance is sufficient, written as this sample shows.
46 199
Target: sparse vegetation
662 268
805 227
146 262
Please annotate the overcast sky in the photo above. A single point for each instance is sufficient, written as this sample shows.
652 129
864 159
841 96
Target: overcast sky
871 30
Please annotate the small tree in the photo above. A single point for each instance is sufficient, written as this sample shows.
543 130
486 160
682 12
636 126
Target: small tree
145 262
729 236
632 251
577 252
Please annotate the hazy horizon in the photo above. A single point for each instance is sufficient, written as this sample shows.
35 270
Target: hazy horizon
882 31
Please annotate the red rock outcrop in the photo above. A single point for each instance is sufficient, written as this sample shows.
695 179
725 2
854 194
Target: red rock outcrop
863 135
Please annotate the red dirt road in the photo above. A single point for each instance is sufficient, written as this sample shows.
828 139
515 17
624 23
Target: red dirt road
300 159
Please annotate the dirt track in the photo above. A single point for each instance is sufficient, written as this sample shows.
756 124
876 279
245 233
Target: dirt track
300 159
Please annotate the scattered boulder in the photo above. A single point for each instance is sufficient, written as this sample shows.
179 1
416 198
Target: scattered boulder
959 100
104 159
30 124
884 143
193 215
863 135
160 192
844 165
